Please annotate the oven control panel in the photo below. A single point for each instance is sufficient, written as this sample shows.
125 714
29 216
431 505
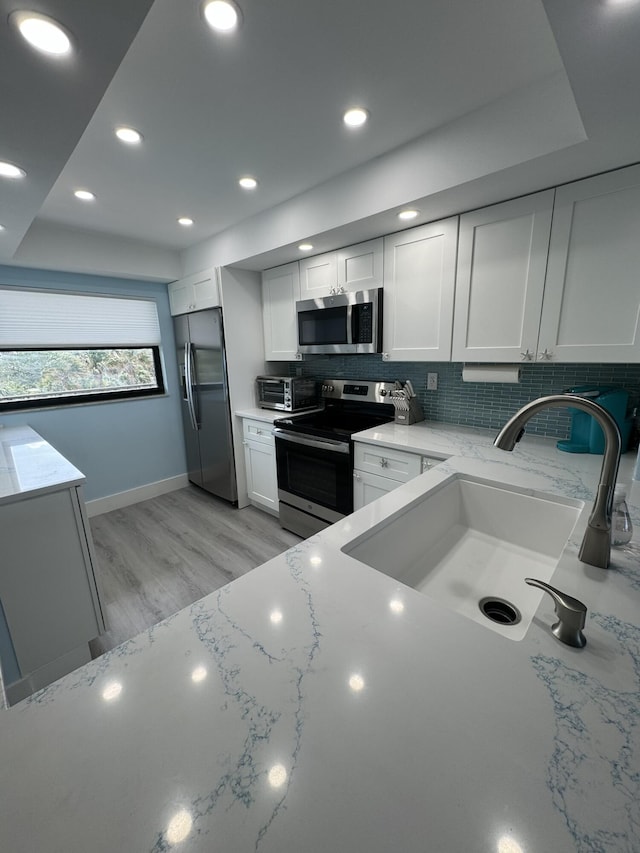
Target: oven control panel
364 391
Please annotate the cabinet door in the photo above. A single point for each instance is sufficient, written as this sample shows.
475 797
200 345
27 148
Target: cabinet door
318 276
592 296
369 487
419 280
502 259
360 267
45 583
280 291
260 461
180 297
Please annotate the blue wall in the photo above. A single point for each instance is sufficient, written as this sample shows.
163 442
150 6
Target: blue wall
480 404
118 445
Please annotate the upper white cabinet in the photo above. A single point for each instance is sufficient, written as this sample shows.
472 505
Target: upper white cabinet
280 290
360 267
502 260
592 295
353 268
419 281
318 276
194 292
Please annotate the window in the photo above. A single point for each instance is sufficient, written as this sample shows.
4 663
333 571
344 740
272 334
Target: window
61 348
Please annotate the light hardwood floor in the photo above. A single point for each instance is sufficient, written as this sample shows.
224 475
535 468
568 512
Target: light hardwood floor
161 555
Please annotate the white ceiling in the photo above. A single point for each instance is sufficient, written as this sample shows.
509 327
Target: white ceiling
268 100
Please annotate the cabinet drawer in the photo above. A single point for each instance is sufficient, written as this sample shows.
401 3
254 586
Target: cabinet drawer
258 431
395 464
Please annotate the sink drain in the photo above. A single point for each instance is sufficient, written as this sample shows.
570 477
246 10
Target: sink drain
499 610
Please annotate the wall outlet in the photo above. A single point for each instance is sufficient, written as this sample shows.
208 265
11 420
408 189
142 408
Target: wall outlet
432 381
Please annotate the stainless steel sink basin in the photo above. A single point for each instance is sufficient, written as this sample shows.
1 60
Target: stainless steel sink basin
469 540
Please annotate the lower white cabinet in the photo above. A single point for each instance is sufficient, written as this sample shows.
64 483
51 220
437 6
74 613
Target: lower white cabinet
260 462
48 587
378 470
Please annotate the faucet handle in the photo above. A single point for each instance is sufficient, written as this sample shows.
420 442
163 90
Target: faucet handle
571 613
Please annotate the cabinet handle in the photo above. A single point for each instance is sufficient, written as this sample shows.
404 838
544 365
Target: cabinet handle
383 462
426 464
545 355
259 431
385 356
356 475
527 355
245 442
298 356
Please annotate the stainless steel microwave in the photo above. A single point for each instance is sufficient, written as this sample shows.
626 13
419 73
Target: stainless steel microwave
287 393
344 323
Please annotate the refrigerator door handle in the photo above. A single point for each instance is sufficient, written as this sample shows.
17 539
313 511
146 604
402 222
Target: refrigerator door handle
188 365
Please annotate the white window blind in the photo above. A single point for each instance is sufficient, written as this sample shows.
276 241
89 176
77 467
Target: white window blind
30 318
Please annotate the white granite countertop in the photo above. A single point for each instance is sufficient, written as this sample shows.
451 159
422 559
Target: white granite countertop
30 466
316 704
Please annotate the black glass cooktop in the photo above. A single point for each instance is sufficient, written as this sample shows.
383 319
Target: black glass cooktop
339 420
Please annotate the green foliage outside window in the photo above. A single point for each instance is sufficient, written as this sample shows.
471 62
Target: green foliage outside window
41 375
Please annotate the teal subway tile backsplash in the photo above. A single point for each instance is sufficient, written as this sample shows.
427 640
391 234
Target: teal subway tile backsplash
474 403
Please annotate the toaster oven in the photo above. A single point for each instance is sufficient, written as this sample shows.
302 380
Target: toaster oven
287 393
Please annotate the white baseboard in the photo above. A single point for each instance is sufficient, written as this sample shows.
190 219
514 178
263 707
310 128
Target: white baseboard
134 496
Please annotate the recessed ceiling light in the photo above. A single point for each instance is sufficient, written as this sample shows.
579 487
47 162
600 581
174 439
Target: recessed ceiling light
408 214
129 135
248 183
2 228
84 195
221 15
186 221
305 247
9 170
355 117
42 32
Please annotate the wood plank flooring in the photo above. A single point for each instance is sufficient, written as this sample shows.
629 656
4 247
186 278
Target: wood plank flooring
159 556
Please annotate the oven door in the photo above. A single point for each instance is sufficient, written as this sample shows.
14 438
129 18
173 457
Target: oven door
315 474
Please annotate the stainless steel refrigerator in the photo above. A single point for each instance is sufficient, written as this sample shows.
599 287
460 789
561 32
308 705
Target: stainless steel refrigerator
206 415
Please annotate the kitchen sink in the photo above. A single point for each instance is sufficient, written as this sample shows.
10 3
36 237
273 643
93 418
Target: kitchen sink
469 543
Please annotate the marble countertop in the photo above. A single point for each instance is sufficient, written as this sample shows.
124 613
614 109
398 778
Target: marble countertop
30 466
315 704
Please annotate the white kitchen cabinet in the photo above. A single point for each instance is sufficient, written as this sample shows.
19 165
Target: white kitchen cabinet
378 470
280 291
48 587
591 304
318 276
358 267
502 260
195 292
419 283
260 462
361 267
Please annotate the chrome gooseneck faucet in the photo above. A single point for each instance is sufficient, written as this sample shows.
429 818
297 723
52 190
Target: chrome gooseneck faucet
596 544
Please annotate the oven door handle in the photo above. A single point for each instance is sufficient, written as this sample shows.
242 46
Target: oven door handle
312 441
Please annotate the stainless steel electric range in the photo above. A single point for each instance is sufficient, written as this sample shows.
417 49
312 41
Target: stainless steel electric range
314 453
